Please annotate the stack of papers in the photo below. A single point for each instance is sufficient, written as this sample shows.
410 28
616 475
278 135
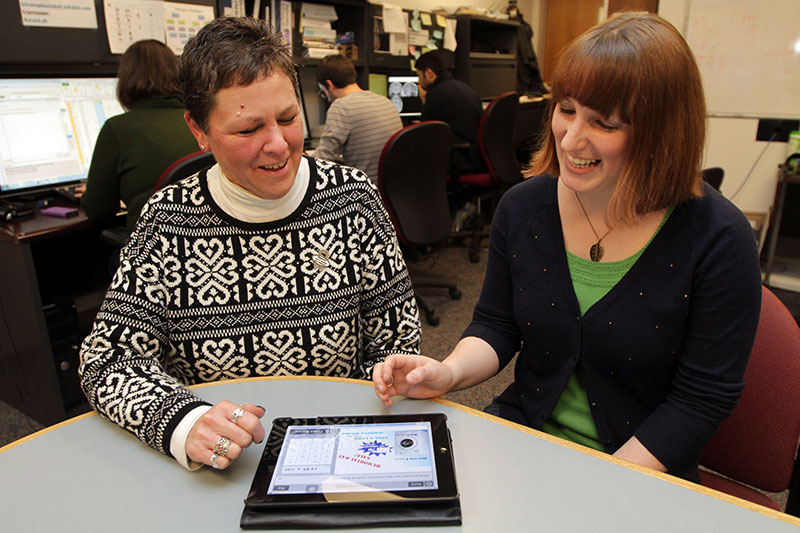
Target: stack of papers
319 37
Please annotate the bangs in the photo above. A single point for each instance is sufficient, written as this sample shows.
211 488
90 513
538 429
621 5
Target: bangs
600 64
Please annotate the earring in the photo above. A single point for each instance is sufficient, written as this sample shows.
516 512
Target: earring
202 148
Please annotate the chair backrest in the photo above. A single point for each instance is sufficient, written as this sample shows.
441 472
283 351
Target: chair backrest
713 176
185 167
412 175
756 445
496 139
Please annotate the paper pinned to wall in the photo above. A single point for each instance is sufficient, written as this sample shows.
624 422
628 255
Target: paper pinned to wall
183 21
128 21
450 42
55 14
418 38
398 41
393 19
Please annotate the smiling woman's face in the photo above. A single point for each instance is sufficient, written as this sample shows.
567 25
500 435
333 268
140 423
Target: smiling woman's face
256 134
592 149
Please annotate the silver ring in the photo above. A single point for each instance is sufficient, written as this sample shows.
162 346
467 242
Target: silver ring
214 458
237 414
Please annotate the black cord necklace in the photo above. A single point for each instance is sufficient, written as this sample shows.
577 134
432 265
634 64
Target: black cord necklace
596 251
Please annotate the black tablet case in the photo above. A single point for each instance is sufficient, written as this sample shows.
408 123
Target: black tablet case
369 515
448 514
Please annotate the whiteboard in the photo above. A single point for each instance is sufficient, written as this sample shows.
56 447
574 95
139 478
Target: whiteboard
748 52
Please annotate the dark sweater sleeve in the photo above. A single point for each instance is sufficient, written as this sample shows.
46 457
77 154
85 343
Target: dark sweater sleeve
493 319
725 303
101 199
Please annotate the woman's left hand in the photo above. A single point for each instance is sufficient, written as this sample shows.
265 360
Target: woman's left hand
219 436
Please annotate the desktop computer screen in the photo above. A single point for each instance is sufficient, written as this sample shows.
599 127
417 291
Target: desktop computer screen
404 94
48 128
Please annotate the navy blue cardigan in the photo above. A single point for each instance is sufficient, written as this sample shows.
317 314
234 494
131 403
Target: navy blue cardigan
661 356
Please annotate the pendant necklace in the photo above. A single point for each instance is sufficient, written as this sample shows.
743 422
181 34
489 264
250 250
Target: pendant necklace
596 251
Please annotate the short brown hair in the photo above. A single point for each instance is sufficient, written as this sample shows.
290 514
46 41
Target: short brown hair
639 65
230 51
147 69
338 69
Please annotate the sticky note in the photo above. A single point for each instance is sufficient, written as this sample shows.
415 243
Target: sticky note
441 21
437 34
416 25
425 18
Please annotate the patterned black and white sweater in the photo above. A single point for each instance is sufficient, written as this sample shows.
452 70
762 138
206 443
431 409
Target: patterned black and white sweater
200 297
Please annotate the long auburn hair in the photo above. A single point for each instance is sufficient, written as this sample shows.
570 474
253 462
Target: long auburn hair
639 65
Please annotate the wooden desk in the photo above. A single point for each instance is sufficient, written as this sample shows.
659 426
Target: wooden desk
43 260
89 475
784 180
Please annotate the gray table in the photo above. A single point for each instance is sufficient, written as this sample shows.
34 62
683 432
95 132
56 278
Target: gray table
89 475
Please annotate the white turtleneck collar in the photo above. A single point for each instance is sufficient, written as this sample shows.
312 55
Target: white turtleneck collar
243 205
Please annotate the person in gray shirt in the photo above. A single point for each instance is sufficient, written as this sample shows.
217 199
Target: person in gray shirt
358 122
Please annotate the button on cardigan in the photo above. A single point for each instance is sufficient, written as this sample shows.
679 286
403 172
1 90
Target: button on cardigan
661 356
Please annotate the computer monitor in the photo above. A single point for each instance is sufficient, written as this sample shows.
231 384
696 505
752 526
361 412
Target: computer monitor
48 128
404 94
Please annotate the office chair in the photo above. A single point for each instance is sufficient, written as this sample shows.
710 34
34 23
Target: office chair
182 168
756 445
412 181
496 142
713 176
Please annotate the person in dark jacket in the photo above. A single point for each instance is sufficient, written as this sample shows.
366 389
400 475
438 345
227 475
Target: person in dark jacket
454 102
630 289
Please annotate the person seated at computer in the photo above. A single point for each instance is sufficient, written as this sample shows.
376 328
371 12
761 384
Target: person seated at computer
268 263
358 122
134 148
630 288
454 102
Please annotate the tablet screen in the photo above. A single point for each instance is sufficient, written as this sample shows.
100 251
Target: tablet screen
355 458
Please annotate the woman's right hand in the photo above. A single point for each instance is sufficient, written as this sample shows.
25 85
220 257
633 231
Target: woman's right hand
413 376
220 423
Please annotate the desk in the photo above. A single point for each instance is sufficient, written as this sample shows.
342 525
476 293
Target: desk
784 180
43 260
90 475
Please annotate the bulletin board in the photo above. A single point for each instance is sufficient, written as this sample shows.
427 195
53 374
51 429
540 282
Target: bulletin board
57 50
749 56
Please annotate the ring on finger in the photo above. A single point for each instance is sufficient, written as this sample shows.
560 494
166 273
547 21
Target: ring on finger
214 458
221 448
237 414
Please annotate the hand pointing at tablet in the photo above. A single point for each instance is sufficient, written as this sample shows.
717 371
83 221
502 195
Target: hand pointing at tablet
416 376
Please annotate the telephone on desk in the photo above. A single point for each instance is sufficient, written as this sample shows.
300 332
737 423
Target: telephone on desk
12 211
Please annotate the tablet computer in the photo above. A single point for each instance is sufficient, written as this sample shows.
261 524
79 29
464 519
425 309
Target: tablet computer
355 460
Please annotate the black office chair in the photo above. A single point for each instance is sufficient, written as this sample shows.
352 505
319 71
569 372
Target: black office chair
184 167
496 141
412 181
713 176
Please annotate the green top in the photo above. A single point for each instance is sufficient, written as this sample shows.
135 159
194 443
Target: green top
571 418
131 152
